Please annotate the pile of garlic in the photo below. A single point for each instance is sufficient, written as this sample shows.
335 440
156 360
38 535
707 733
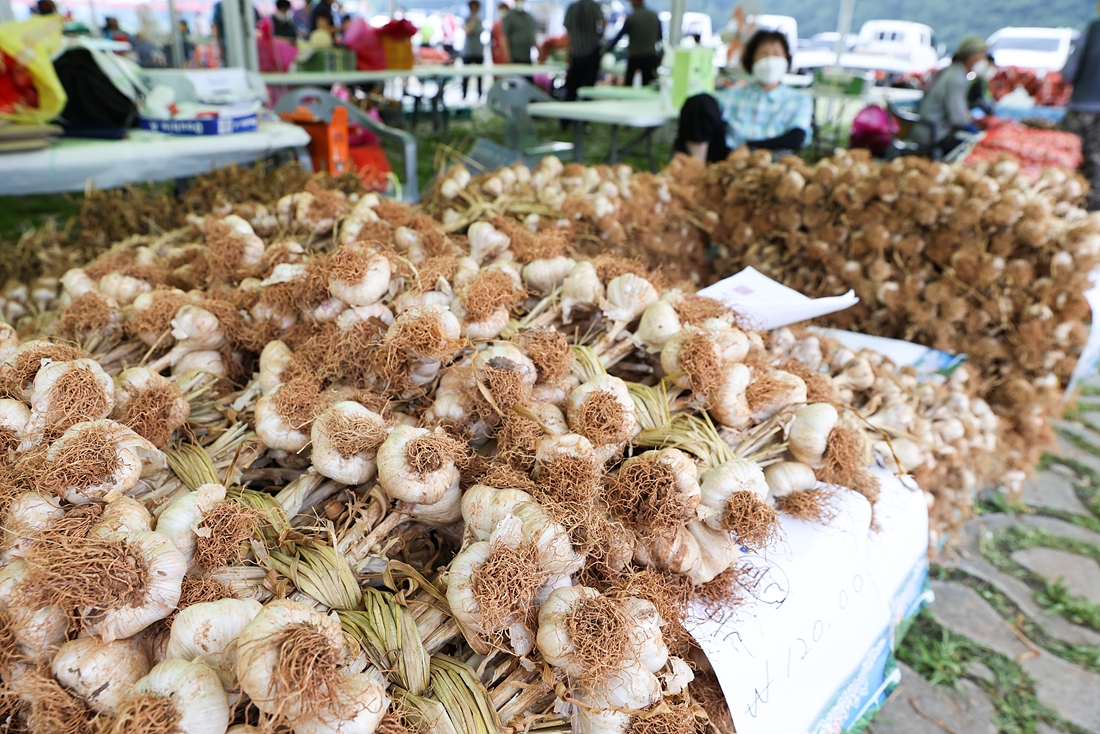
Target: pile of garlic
386 473
654 218
978 261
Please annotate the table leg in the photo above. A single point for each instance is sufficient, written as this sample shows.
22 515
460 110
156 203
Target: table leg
578 141
614 153
649 150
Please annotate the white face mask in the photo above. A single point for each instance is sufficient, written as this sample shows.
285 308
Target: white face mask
983 70
769 70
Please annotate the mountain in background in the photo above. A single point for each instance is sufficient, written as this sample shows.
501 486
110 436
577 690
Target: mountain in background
950 19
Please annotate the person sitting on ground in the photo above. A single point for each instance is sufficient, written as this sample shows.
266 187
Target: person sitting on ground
945 104
764 113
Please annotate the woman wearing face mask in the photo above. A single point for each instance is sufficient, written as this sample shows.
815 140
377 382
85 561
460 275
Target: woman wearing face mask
945 104
765 113
977 96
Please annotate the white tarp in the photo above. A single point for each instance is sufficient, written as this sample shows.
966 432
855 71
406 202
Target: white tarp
807 650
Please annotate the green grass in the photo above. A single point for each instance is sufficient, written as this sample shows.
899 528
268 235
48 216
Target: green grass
942 657
20 213
461 135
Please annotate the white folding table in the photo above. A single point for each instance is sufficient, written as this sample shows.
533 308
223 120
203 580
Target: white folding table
647 115
425 71
70 163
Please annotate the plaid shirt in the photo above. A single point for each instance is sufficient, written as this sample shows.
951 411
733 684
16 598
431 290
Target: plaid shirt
751 113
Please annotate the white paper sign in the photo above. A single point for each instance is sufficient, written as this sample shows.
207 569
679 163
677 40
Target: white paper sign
766 304
821 611
1090 353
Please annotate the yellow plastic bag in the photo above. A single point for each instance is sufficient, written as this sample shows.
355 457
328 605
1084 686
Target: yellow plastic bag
32 43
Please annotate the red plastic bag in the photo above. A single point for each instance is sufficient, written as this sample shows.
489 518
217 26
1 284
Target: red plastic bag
366 42
873 129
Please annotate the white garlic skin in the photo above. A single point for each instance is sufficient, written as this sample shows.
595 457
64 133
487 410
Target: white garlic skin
102 673
544 275
208 632
329 462
400 480
274 430
374 283
808 435
717 485
135 456
628 296
370 704
195 691
789 476
274 359
167 567
180 519
659 322
581 290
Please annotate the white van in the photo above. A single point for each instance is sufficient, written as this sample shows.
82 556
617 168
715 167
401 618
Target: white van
1038 49
911 42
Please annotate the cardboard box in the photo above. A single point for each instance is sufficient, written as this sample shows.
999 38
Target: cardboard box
225 124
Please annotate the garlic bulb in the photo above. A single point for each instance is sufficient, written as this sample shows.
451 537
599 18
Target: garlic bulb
602 411
360 279
365 703
808 435
121 288
728 402
69 392
717 485
276 431
544 275
122 515
166 567
208 631
274 359
417 465
773 392
789 476
27 515
581 290
150 404
659 322
180 520
37 632
628 296
102 673
190 694
95 458
486 241
483 508
345 439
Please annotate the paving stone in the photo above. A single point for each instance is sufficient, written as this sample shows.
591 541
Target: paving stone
1073 692
981 671
1070 451
916 705
1080 574
965 557
1049 489
962 610
1061 528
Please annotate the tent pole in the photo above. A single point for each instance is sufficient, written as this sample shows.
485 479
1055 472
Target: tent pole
5 11
234 33
178 59
844 25
675 23
248 36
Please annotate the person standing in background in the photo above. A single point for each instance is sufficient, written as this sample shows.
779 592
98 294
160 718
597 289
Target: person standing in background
644 28
584 22
282 23
1082 70
322 9
497 42
473 51
519 34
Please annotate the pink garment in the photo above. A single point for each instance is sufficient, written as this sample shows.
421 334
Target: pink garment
873 128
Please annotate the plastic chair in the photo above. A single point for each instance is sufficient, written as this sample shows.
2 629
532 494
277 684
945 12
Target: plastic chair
322 104
919 139
509 98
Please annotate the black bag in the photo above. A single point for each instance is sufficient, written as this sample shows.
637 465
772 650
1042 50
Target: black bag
94 101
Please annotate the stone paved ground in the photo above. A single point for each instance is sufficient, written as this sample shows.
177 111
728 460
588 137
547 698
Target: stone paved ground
1012 642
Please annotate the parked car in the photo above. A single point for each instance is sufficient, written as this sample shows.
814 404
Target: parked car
1038 49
